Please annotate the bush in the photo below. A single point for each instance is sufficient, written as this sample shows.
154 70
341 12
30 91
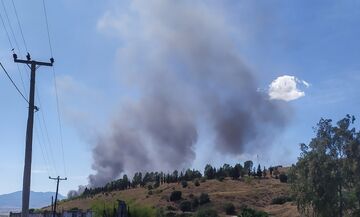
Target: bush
171 208
150 192
283 178
157 184
248 180
248 212
149 187
197 183
220 178
175 196
281 200
194 203
185 206
206 213
229 209
184 183
204 198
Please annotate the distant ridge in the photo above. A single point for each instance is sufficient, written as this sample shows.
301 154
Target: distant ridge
37 199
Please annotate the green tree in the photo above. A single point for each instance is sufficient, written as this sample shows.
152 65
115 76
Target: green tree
324 180
248 165
259 172
209 171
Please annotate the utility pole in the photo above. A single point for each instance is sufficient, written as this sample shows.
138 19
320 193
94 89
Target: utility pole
52 204
57 190
33 65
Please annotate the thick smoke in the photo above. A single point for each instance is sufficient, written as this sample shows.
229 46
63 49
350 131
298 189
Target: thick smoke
181 62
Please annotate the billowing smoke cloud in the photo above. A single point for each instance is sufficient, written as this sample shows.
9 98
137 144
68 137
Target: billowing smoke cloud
179 61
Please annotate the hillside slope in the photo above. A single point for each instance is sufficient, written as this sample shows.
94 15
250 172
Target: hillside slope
257 194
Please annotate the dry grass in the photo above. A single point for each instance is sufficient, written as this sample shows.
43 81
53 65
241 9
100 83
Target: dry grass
256 194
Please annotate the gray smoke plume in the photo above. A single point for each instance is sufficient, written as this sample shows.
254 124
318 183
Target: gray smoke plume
181 61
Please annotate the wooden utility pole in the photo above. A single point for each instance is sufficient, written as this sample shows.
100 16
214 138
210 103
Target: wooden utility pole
52 204
33 65
57 190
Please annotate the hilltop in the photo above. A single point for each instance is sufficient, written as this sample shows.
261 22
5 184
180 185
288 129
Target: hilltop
254 193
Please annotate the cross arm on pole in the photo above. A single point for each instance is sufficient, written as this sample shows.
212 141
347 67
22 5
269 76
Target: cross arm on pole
58 178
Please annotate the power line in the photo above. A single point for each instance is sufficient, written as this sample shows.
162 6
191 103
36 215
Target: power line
18 21
50 157
42 151
56 90
6 31
59 120
12 81
47 28
9 40
11 29
46 133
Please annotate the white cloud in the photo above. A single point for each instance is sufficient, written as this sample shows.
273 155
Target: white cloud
286 88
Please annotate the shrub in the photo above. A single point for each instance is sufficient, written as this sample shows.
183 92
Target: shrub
248 180
206 213
185 206
283 178
204 198
150 192
280 200
175 196
197 183
194 203
170 208
229 209
157 184
248 212
149 187
184 183
220 178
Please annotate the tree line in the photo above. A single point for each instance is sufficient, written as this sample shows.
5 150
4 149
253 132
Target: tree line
155 179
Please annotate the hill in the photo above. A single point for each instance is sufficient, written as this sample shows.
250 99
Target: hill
37 199
254 193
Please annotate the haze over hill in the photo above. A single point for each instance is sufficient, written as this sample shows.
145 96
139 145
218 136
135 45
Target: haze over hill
12 201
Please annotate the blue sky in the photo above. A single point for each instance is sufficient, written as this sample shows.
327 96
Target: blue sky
315 42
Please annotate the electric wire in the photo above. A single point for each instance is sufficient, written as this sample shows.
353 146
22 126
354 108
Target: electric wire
10 42
42 150
49 144
47 27
56 90
6 31
59 121
19 24
46 131
10 26
45 152
12 81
